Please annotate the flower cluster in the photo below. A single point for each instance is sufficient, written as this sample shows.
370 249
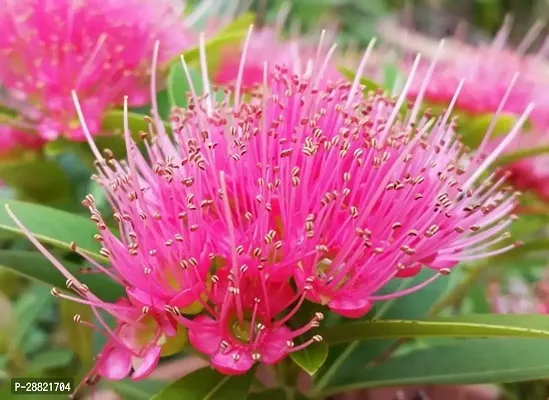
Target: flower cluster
488 71
305 191
48 49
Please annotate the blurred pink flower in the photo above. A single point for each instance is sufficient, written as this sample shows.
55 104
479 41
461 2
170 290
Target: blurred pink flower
267 48
13 140
100 48
487 72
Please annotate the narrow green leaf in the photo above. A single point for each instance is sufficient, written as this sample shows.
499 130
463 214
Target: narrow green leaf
536 322
345 358
458 327
7 322
207 384
311 358
141 390
28 309
113 123
369 85
178 85
79 336
239 24
52 226
470 361
214 50
37 179
36 266
520 155
52 358
474 128
229 37
391 75
163 102
273 394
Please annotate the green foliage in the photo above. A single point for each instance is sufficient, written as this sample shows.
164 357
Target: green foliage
207 384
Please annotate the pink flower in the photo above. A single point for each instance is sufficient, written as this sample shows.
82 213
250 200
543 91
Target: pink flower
248 323
267 47
13 140
48 49
306 190
142 334
487 72
136 345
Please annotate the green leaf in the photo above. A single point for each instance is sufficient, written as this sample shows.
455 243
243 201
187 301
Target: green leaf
37 179
215 49
34 265
312 357
207 384
113 125
520 155
391 75
79 336
457 327
227 40
178 85
113 122
538 322
141 390
464 362
164 106
28 309
53 358
239 24
369 85
52 226
273 394
474 128
345 358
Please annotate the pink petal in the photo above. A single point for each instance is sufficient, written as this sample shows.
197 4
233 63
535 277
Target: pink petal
205 335
139 297
224 361
350 308
168 325
186 297
409 271
144 366
280 296
275 346
116 364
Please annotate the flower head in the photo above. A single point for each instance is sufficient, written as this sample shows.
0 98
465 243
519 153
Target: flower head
306 190
48 49
486 72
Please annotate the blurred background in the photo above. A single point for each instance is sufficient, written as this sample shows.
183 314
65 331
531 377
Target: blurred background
37 336
358 20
